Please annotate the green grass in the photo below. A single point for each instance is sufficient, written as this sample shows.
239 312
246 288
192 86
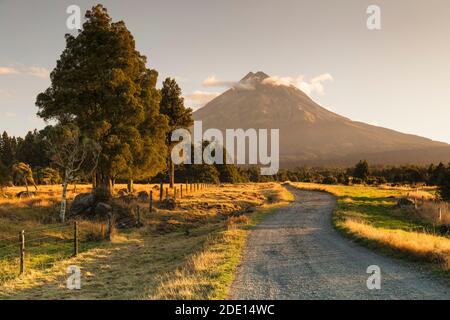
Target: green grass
370 216
42 251
372 205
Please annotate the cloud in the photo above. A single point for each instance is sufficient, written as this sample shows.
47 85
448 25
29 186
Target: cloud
315 85
212 81
200 98
33 71
38 72
8 70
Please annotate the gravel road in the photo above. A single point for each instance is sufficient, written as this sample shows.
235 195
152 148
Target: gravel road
296 254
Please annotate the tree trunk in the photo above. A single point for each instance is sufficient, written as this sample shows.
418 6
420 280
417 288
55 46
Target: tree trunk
171 173
130 186
106 184
62 213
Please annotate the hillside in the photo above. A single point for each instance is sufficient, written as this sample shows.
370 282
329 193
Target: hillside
309 133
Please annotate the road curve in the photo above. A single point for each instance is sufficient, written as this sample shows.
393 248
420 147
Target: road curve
296 254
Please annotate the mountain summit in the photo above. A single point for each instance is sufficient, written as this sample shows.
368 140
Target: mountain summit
309 133
258 77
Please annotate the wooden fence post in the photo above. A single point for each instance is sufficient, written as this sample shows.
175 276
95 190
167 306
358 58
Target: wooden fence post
161 190
151 202
138 209
167 194
75 238
175 194
22 251
181 192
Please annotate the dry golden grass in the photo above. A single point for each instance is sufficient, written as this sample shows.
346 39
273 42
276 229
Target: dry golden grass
423 246
201 239
209 273
370 215
437 213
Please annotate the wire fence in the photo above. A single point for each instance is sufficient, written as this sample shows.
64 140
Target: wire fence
41 248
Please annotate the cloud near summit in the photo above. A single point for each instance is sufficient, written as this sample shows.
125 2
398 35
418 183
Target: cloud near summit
315 85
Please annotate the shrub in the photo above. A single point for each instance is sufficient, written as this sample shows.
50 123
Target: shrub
330 180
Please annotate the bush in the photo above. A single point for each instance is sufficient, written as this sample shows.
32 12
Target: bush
330 180
49 176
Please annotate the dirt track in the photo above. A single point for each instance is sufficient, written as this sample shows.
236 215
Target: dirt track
296 254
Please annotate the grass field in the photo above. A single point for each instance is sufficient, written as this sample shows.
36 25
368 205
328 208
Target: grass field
187 253
370 216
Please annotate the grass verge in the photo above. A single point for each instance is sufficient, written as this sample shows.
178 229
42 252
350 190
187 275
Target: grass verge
209 274
369 216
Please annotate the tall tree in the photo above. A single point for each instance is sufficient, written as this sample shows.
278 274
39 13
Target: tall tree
5 177
8 147
101 83
31 150
361 170
172 105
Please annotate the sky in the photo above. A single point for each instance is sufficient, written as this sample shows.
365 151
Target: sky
396 77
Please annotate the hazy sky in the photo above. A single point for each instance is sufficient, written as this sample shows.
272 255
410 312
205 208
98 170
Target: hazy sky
397 77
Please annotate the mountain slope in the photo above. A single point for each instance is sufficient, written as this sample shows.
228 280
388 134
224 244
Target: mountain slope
310 134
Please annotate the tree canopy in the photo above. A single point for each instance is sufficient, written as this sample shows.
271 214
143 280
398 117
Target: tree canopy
101 83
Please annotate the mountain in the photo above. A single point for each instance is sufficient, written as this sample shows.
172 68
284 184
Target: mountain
309 133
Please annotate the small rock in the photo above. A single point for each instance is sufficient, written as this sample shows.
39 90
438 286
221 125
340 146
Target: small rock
25 195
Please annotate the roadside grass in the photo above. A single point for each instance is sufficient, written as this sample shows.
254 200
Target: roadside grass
209 274
200 240
47 241
369 215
